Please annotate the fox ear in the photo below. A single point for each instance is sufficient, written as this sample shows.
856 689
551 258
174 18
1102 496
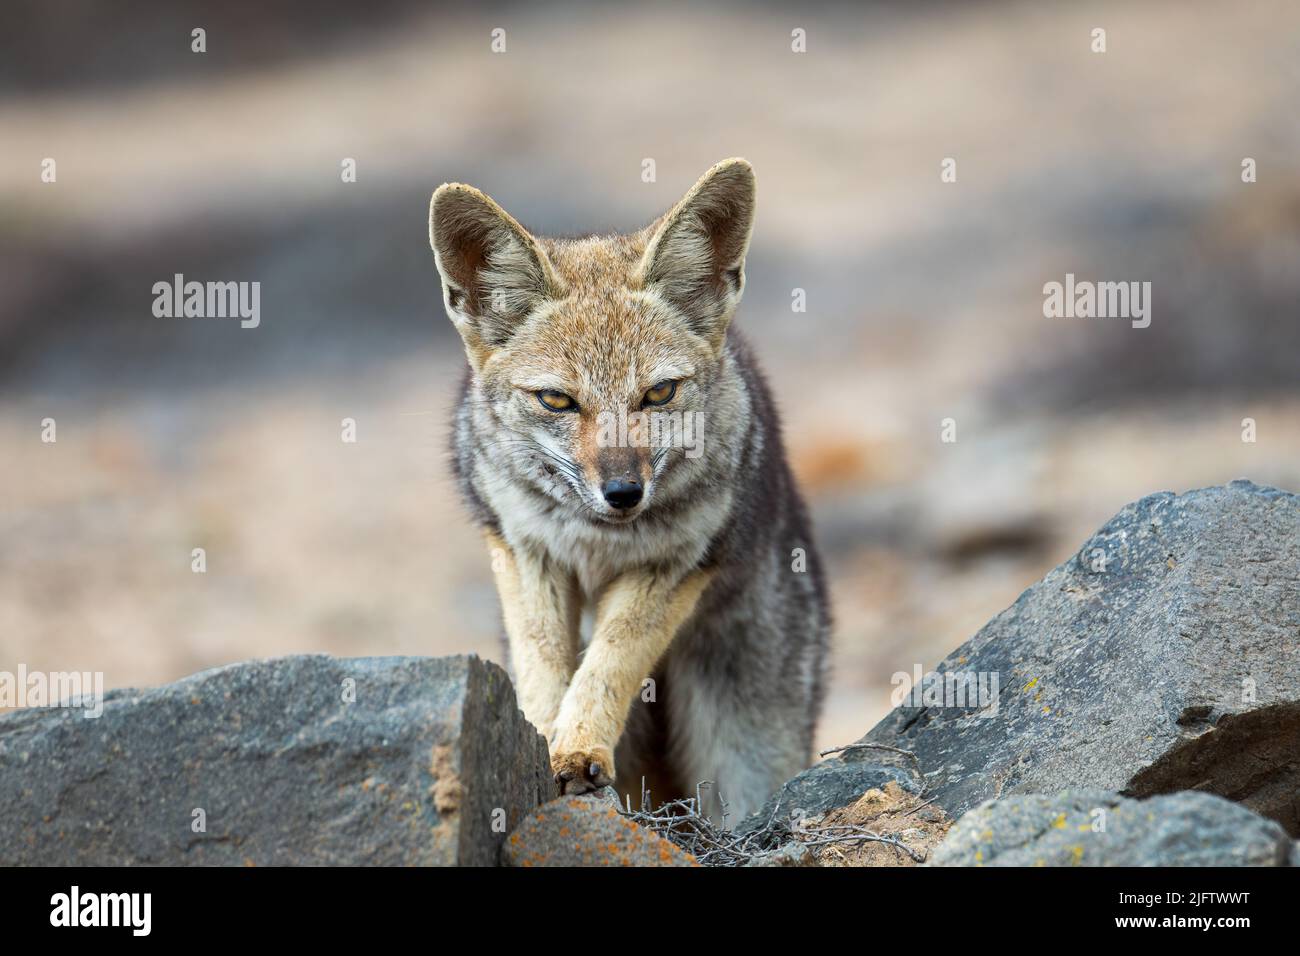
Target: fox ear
696 256
493 272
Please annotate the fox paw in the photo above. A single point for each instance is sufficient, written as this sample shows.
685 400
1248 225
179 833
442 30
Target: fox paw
580 771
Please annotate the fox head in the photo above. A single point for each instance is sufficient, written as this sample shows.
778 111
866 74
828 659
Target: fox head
596 357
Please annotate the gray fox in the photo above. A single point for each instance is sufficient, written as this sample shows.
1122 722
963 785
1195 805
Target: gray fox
622 454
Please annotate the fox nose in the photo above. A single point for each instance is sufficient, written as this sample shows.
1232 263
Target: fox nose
622 493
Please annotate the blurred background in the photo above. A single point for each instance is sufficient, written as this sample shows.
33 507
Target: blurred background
924 299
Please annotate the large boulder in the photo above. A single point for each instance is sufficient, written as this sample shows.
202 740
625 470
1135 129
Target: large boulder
1097 828
299 760
1163 656
833 783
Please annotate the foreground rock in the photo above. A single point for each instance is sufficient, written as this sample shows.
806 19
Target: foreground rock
299 760
836 803
588 830
1164 656
1096 828
850 810
905 830
833 783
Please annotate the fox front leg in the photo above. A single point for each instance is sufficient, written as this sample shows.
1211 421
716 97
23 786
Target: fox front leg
636 620
541 607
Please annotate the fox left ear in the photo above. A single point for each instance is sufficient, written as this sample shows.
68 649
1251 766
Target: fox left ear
696 256
494 273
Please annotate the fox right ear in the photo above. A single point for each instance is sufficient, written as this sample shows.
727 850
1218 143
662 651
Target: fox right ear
493 271
695 258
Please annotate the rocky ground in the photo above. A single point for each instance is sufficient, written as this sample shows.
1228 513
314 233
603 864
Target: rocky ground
1136 706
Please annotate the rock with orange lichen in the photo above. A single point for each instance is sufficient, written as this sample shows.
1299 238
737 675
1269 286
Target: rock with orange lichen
587 831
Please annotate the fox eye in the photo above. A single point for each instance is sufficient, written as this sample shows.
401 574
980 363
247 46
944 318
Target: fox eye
557 401
660 394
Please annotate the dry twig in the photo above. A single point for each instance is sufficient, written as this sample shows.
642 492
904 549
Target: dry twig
712 844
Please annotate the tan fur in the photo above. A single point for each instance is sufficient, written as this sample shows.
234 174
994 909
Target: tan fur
636 619
541 607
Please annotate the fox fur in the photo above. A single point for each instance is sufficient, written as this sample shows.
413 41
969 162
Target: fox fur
709 621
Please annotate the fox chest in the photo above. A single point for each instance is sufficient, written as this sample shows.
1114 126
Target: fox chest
597 555
594 553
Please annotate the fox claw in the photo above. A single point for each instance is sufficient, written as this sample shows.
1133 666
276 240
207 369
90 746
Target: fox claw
583 772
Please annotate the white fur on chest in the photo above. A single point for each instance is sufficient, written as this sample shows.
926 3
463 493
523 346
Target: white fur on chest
597 554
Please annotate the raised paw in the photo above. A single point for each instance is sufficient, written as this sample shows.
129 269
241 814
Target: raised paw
579 771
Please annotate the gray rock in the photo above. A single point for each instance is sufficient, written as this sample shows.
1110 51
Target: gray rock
1097 828
605 796
835 782
1163 656
588 830
433 764
787 855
